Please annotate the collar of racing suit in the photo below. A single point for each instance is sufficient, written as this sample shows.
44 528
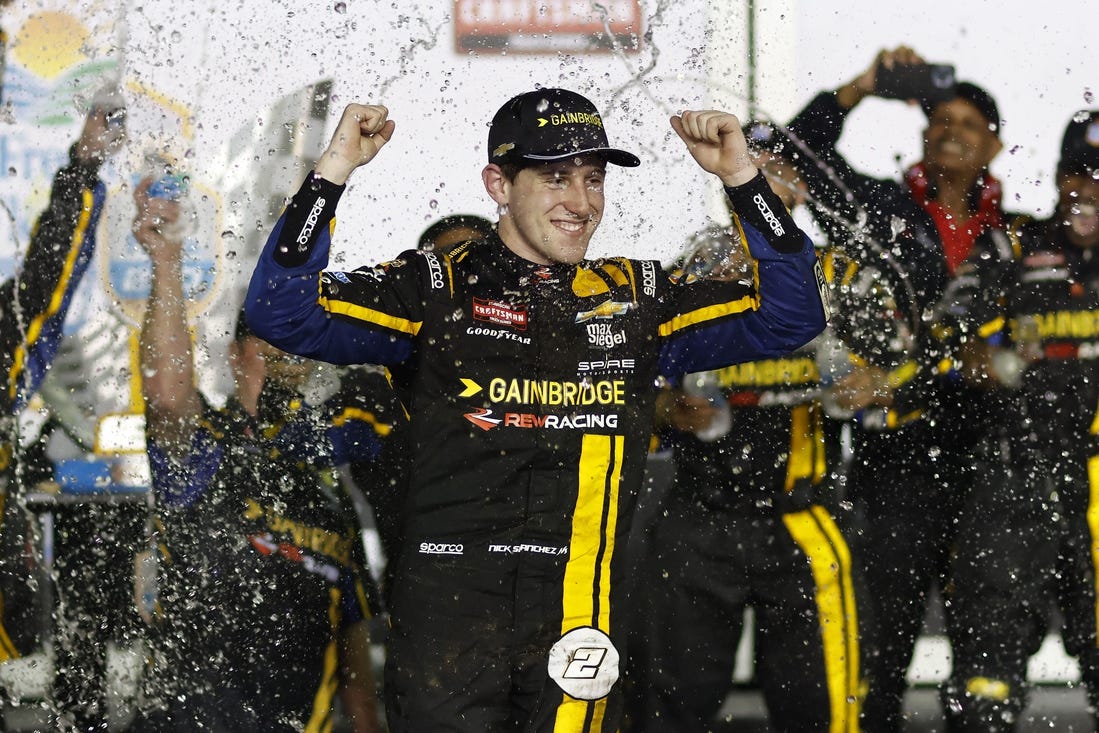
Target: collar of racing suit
958 237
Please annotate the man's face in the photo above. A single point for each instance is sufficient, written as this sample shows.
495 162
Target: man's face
957 140
553 209
254 360
1078 207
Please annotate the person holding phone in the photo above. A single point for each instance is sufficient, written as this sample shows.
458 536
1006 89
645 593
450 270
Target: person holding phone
914 481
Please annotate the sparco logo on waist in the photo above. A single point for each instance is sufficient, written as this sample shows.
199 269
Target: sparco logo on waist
769 215
441 548
310 223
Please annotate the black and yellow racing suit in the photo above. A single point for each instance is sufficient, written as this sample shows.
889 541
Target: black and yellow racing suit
530 390
749 523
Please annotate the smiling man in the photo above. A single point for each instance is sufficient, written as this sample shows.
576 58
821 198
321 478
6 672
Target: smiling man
528 373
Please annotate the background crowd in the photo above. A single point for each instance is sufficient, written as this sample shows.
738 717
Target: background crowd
937 437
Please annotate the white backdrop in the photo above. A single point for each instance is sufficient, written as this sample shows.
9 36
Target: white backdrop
201 75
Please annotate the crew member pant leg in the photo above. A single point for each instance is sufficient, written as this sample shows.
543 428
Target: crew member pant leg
1078 566
1004 560
807 626
696 589
902 551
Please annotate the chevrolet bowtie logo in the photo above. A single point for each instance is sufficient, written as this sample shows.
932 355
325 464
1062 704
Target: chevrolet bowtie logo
608 309
501 149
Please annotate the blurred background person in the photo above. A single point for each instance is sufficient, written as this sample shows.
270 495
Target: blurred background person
262 594
747 523
454 229
1028 299
33 306
913 479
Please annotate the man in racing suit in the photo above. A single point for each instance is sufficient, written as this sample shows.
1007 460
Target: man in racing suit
748 523
529 376
33 306
1029 298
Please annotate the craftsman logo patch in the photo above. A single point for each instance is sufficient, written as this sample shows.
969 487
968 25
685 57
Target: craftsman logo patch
498 312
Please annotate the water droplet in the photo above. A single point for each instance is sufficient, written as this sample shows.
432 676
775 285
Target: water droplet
1088 96
176 36
543 105
433 204
340 8
1081 116
472 280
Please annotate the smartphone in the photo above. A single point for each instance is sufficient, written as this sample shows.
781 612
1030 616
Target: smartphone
922 82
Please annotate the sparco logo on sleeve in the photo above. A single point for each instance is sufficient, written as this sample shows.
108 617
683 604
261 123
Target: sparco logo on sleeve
769 215
648 278
435 270
310 223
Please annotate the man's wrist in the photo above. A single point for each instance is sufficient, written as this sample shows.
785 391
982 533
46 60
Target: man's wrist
849 95
334 168
740 177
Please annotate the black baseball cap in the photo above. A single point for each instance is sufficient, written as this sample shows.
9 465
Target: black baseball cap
550 124
1080 145
976 96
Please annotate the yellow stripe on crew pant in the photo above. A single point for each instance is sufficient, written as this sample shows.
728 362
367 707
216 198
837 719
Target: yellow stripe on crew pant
320 721
816 534
1093 531
585 599
7 649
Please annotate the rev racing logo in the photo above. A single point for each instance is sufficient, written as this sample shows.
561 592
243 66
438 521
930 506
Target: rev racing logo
484 419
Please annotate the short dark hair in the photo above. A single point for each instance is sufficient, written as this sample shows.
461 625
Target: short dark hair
976 96
479 224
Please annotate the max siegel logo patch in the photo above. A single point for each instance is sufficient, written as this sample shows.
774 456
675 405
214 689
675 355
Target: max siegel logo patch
584 663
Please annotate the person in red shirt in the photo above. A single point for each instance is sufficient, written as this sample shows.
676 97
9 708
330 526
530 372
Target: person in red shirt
915 483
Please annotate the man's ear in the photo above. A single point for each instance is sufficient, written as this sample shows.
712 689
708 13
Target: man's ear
801 195
992 149
496 183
